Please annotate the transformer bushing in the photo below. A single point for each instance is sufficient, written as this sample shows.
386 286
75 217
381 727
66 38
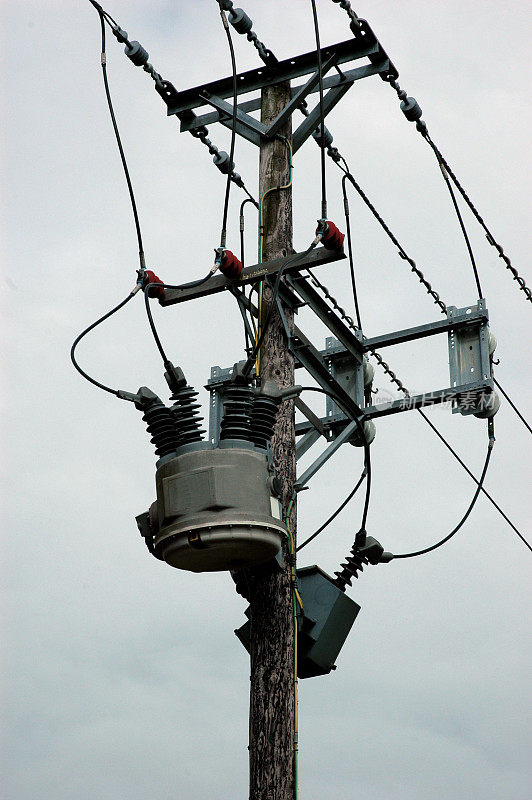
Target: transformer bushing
216 508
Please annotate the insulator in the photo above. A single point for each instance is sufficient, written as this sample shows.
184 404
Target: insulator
137 54
236 421
153 291
369 429
162 428
223 162
369 372
354 564
411 110
332 238
263 418
231 267
185 414
489 404
240 20
328 137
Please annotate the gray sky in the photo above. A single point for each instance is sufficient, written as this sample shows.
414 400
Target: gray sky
122 678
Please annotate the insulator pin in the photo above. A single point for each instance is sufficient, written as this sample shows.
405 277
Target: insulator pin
240 20
137 54
230 265
411 109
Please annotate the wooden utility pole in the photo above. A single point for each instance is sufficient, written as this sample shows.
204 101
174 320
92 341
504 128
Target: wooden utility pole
272 714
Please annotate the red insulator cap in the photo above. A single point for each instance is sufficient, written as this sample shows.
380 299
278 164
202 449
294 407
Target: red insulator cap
231 267
332 238
151 277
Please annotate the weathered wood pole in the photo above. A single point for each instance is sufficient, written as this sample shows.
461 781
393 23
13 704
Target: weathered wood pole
272 711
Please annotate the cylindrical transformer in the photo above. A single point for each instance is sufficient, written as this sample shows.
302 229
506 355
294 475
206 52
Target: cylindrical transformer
217 509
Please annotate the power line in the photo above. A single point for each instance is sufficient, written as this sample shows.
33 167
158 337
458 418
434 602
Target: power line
523 420
103 16
322 115
85 332
335 513
223 234
466 515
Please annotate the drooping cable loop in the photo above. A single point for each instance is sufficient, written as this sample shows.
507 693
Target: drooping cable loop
466 515
335 513
78 339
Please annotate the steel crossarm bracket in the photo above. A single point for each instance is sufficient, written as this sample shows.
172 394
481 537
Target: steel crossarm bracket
189 121
329 451
351 341
428 399
312 360
364 46
246 126
306 442
219 282
460 319
299 96
312 122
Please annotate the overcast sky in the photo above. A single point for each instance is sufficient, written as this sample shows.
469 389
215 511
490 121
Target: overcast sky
122 678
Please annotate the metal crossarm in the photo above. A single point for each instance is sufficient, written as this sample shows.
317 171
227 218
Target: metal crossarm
364 46
219 282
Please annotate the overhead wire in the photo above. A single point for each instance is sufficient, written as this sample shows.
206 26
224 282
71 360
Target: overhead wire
350 251
85 332
365 444
103 17
462 226
455 530
322 114
336 157
335 513
223 234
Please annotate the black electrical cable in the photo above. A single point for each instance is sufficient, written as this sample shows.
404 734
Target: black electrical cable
489 236
84 333
242 220
367 454
464 518
153 328
523 420
350 251
118 140
461 221
223 235
335 513
464 465
147 288
322 114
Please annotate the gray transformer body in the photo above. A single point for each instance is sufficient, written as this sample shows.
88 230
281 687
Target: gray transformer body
216 508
